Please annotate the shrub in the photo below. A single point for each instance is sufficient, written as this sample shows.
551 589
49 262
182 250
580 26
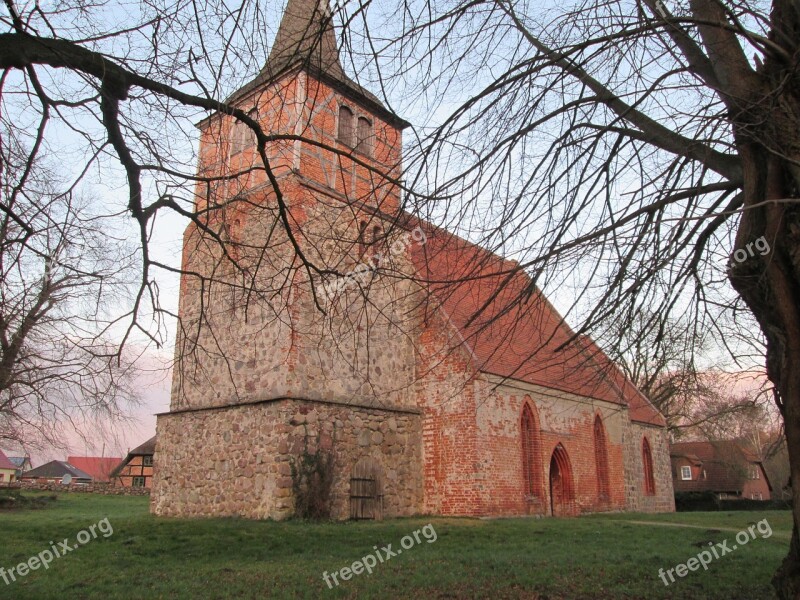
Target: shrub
12 499
690 501
312 482
693 501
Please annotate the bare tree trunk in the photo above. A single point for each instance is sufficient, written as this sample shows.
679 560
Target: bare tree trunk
770 285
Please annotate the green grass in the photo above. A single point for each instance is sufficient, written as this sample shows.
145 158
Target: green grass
599 556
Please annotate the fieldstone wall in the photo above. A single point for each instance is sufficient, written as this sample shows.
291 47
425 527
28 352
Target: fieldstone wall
637 500
236 461
106 489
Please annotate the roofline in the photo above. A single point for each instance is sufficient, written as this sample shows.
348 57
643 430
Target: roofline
341 87
563 322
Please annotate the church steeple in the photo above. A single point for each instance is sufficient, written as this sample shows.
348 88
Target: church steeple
306 40
306 36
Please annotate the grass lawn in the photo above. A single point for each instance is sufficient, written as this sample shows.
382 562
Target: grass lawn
598 556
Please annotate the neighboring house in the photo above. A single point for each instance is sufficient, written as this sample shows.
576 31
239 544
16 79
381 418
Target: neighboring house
55 471
22 463
425 409
722 467
8 470
137 468
99 467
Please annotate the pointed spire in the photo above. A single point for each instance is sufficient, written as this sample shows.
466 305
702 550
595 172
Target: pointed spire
306 36
306 39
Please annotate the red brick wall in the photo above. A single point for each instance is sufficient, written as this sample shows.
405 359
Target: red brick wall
562 420
757 489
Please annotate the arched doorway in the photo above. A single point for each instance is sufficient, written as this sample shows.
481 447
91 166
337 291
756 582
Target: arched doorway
562 488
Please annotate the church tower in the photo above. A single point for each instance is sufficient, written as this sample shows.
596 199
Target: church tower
274 356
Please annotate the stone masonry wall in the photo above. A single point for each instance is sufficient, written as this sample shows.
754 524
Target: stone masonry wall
105 489
237 461
636 499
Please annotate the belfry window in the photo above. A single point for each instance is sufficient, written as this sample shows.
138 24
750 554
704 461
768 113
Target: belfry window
364 132
345 133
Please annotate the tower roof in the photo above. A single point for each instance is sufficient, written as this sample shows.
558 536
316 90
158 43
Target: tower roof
306 40
306 36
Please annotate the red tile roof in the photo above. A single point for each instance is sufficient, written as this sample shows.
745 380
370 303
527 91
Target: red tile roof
98 467
5 463
511 329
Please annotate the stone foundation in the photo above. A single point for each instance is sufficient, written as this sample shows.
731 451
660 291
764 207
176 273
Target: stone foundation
236 461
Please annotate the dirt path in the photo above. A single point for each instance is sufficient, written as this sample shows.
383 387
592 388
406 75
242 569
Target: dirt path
777 534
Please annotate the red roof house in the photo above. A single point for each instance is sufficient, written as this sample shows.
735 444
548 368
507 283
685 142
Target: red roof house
8 470
723 467
99 467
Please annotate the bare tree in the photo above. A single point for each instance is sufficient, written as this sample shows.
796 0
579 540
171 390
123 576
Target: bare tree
670 362
59 271
642 153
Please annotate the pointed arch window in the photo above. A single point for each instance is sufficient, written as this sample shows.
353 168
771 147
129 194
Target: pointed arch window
601 460
345 133
647 462
531 453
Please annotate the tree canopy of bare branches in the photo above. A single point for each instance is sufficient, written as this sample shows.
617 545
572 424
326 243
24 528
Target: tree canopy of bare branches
60 269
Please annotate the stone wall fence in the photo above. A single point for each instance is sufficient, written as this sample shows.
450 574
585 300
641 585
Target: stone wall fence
105 489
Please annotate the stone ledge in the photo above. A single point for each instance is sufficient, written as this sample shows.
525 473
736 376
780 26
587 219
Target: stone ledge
191 409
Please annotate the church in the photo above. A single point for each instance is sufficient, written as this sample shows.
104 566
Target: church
319 318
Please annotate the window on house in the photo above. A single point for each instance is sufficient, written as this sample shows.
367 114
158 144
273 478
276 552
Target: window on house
147 461
364 144
647 463
345 133
756 496
138 482
686 473
2 476
754 473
